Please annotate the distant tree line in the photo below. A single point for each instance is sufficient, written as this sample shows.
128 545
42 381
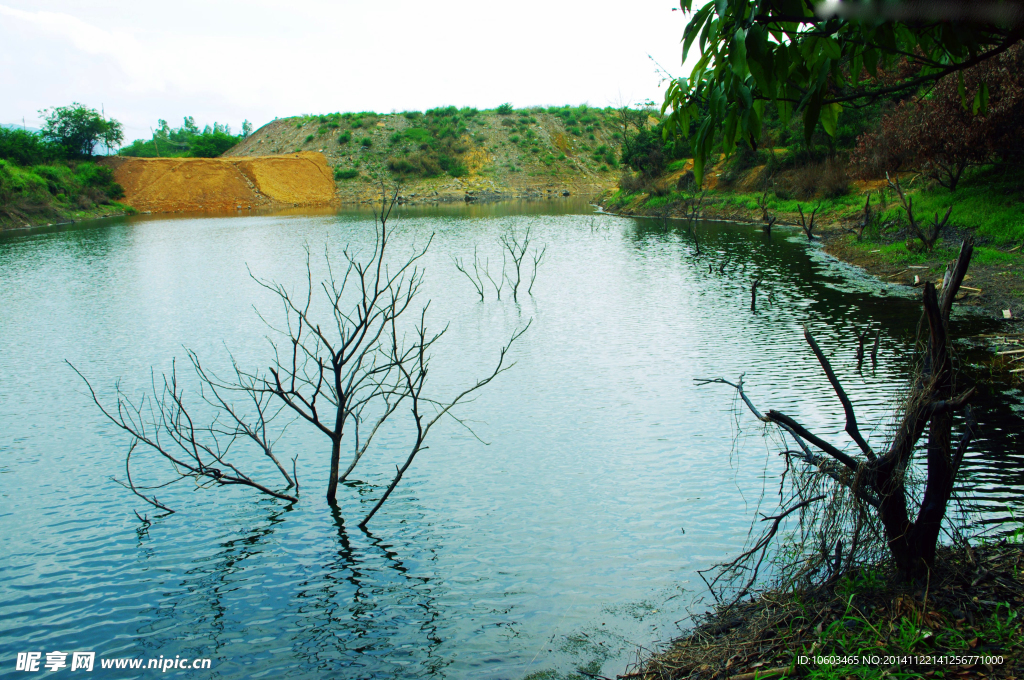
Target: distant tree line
187 141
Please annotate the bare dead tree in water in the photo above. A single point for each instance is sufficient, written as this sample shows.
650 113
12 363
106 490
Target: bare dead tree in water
476 278
538 257
767 218
516 244
692 204
342 364
808 227
849 504
413 376
862 338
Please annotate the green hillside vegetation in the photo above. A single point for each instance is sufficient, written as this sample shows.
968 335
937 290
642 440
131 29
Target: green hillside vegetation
50 176
506 146
187 141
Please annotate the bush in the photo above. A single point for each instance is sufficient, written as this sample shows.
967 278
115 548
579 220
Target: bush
53 189
366 141
835 180
452 166
309 138
345 174
345 137
213 144
630 183
505 109
829 178
27 148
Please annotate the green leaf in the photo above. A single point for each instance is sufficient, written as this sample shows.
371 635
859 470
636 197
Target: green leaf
871 61
811 114
981 100
738 53
830 118
729 132
830 46
785 111
757 43
753 121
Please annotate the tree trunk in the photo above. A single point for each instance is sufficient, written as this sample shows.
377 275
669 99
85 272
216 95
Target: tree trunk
332 482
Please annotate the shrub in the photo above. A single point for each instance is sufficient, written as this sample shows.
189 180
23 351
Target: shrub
212 144
345 137
366 141
630 183
835 180
505 109
309 138
403 166
452 166
27 148
345 174
411 115
936 135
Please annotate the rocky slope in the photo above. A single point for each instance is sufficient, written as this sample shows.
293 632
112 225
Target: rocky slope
534 153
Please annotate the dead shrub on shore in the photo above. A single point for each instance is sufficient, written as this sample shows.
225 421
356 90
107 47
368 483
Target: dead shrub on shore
829 179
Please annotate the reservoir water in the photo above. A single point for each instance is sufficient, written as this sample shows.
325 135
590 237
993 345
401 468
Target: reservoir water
565 535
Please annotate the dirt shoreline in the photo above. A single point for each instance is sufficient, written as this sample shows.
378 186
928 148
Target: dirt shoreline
967 613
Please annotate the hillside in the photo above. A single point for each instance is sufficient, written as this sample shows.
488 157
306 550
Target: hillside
456 154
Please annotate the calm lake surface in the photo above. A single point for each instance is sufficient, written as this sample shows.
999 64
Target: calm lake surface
568 540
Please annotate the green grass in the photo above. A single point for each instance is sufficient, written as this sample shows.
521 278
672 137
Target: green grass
990 201
46 191
986 255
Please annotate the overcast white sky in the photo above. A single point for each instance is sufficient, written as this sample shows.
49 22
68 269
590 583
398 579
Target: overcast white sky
221 60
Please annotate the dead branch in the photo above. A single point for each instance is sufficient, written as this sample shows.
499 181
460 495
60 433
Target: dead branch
876 480
476 278
516 245
538 257
927 237
167 427
415 379
808 227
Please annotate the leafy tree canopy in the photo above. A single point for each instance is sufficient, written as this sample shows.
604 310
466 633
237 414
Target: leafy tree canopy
79 129
187 140
814 58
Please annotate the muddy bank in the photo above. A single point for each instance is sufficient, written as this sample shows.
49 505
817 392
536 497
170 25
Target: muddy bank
218 184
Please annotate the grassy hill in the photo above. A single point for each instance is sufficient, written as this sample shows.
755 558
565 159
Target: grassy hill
451 154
